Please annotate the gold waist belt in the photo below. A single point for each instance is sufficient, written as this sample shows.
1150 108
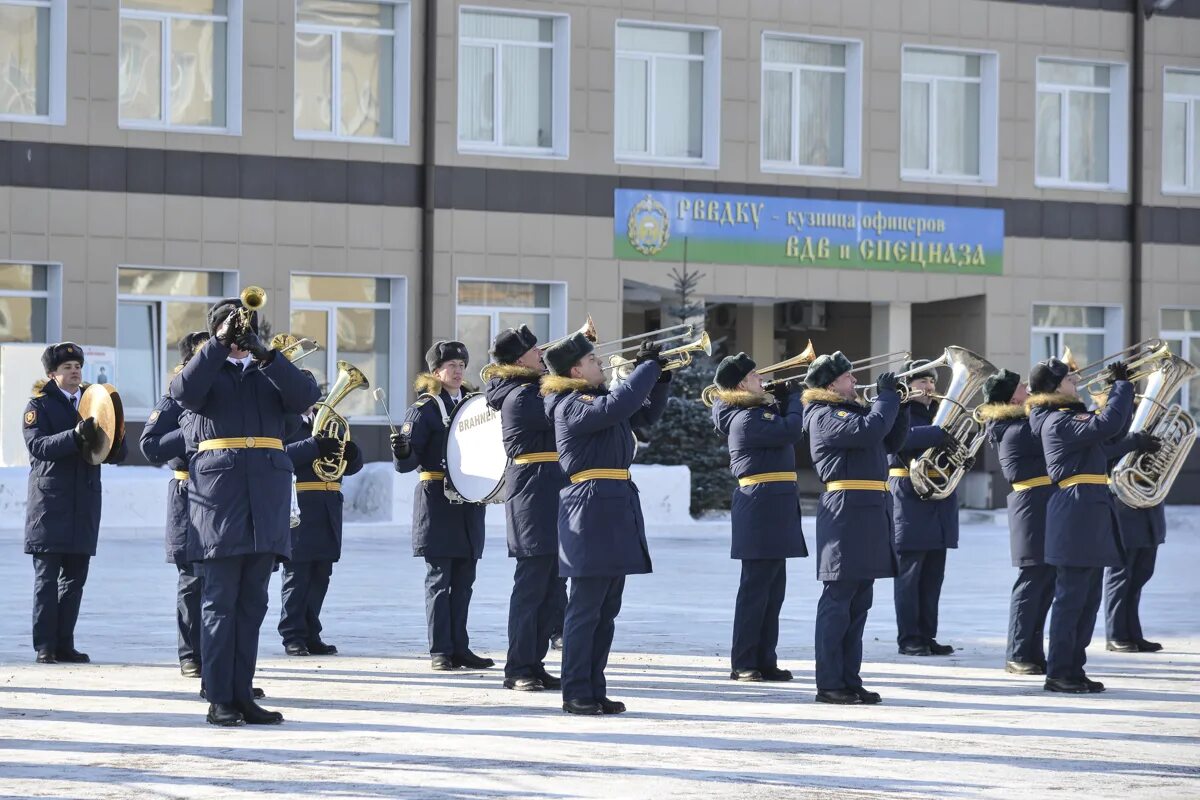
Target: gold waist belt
856 485
432 476
1075 480
1032 483
767 477
535 458
901 472
600 475
242 443
317 486
180 474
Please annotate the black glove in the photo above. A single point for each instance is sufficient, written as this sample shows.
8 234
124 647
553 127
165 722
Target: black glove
401 447
781 391
1118 371
665 376
649 351
351 453
887 382
249 341
227 331
327 446
86 434
948 440
1147 442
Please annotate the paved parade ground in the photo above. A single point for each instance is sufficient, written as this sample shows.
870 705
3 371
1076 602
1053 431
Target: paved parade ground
375 721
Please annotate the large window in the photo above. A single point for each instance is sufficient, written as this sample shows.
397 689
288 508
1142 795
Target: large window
155 308
948 115
355 319
1081 119
352 70
487 307
1181 131
1091 332
811 105
180 64
33 48
26 311
667 94
513 83
1181 330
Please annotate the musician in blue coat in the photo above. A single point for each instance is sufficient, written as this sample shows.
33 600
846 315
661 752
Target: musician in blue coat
449 536
601 532
532 481
62 514
239 394
850 442
316 541
1082 530
762 429
924 529
1023 465
163 442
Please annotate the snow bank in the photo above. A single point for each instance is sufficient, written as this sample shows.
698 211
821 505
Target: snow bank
135 497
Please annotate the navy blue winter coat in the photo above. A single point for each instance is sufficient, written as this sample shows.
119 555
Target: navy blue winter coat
762 439
62 512
601 532
921 524
163 442
239 500
851 441
1082 529
318 537
440 529
530 490
1021 459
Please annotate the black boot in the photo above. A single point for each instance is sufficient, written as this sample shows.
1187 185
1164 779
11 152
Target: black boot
868 698
584 707
611 706
46 657
523 683
915 650
1148 647
1094 687
472 661
319 648
1024 668
1121 647
776 674
840 697
548 680
746 675
939 649
556 642
224 715
72 656
296 649
257 715
442 664
189 668
1065 686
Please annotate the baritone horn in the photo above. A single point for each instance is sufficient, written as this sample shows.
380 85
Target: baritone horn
677 357
328 422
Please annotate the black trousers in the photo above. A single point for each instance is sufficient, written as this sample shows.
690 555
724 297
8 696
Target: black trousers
532 609
187 612
1123 594
841 618
448 586
560 607
1027 610
918 590
588 629
756 613
232 608
1072 620
303 590
58 580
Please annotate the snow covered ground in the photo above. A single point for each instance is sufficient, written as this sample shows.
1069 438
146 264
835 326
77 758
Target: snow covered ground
375 721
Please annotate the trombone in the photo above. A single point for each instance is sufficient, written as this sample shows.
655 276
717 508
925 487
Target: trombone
1142 359
803 359
587 330
871 390
293 349
686 329
677 357
860 365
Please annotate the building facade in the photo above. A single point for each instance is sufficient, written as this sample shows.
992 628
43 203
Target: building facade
391 177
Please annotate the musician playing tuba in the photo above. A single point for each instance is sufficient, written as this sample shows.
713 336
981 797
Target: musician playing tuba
532 481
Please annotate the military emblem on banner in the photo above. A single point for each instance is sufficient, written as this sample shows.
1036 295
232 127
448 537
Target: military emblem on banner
649 226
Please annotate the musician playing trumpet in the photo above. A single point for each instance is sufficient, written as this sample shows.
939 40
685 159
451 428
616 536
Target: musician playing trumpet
924 528
763 429
532 481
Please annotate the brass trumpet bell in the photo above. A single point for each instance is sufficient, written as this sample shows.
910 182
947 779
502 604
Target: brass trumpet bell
805 357
292 348
677 357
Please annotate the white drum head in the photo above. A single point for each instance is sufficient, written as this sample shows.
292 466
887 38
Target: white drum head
475 457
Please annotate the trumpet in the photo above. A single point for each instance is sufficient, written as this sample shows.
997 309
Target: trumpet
292 348
804 358
677 357
253 298
1143 360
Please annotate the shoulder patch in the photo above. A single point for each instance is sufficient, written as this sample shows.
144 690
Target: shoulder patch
30 417
586 398
422 401
153 416
1082 417
843 413
406 428
768 415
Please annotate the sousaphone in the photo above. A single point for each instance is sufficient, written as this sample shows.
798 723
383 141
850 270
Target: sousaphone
101 402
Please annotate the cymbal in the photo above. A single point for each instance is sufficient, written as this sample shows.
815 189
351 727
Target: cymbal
101 402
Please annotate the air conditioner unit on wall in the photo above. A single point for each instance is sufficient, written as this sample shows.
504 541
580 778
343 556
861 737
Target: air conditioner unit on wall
801 315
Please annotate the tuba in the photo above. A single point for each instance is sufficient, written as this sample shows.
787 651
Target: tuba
328 422
936 473
1142 480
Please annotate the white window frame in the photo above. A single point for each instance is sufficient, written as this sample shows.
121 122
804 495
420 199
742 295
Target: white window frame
710 157
851 104
1191 174
556 312
1186 339
229 288
56 105
401 75
52 294
395 305
560 93
1113 329
1118 125
989 115
233 71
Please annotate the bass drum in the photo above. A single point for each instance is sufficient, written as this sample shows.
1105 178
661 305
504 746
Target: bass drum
475 457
